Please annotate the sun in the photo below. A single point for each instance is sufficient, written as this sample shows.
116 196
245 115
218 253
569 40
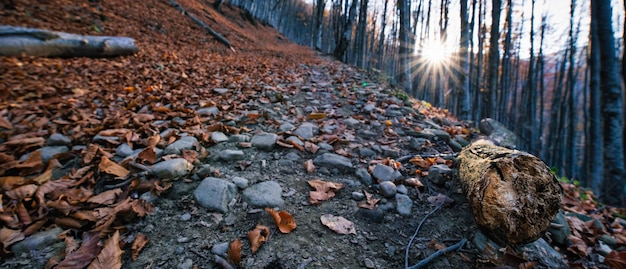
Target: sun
435 52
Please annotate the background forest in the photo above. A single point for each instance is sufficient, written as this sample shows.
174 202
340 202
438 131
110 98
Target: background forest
548 70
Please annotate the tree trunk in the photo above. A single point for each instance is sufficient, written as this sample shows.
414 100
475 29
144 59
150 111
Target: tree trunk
361 42
595 158
464 86
494 55
319 19
406 44
346 33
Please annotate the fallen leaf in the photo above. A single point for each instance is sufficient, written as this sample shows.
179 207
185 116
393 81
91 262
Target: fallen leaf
234 252
440 199
316 115
112 168
114 132
311 147
83 256
9 236
106 198
309 166
414 182
370 203
138 244
578 245
258 236
8 183
6 124
26 142
22 192
616 259
421 162
111 255
323 190
338 224
147 155
284 220
47 175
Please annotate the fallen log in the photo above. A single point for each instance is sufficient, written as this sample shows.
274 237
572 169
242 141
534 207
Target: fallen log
210 30
21 41
513 194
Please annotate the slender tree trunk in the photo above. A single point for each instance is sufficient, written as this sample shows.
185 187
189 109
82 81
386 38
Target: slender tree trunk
381 40
406 44
494 55
464 86
613 187
362 34
596 150
346 33
318 22
506 62
571 82
532 89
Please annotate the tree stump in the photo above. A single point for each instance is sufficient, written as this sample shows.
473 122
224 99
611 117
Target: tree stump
513 194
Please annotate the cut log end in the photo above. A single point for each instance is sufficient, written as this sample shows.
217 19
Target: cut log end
513 194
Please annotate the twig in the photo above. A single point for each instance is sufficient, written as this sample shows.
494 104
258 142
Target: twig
199 254
203 25
440 252
442 155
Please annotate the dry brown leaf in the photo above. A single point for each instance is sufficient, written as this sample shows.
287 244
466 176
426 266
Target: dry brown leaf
9 236
22 214
8 183
190 155
616 259
370 203
413 182
420 162
141 240
284 144
47 175
578 245
114 132
309 166
6 124
112 168
90 153
33 163
258 236
111 255
284 220
83 256
106 198
28 142
234 252
323 190
22 192
316 115
147 155
338 224
311 147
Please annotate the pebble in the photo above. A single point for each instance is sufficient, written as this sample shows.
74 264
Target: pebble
455 145
37 241
124 150
231 155
286 127
148 197
264 141
185 142
215 194
220 249
357 195
402 189
366 152
306 130
58 140
49 151
104 139
383 172
292 156
219 137
332 160
438 174
559 235
239 138
187 264
264 194
241 182
369 108
387 189
296 140
220 90
404 204
364 176
376 216
351 122
185 217
207 111
369 263
172 168
325 146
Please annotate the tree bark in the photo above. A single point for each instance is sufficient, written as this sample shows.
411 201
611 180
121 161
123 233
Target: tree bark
406 44
494 57
20 41
464 85
346 33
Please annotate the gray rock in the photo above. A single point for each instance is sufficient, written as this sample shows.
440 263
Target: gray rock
404 204
264 194
292 156
332 160
148 197
220 90
393 113
101 139
37 241
426 133
231 155
58 140
609 240
286 127
306 130
185 217
376 216
455 145
351 122
264 141
461 141
220 249
124 150
241 182
498 133
207 111
402 189
367 133
185 142
441 134
366 152
364 176
215 194
603 248
49 151
391 152
544 254
369 108
186 264
357 195
219 137
296 140
172 168
559 235
369 263
432 124
438 174
383 172
325 146
417 143
239 138
387 189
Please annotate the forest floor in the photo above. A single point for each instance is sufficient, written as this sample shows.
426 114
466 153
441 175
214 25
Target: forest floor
168 158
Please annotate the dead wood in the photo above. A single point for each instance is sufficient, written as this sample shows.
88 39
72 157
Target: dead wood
513 194
209 30
20 41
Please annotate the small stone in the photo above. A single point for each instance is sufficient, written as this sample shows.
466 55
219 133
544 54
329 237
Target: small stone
461 141
37 241
369 263
220 90
104 139
286 127
325 146
364 176
559 235
383 172
185 142
187 264
292 156
220 249
49 151
609 240
357 195
208 111
402 189
148 197
239 138
185 217
404 204
264 141
219 137
426 133
369 108
182 239
366 152
376 216
264 194
417 143
231 155
351 122
439 174
387 189
124 150
332 160
215 194
367 133
241 182
455 145
172 168
58 140
306 130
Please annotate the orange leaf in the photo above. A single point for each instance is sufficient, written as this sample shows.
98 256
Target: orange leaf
323 190
234 252
112 168
420 162
616 259
22 192
106 198
309 166
338 224
284 220
317 115
147 155
388 123
7 183
111 255
9 236
83 256
6 124
140 242
258 236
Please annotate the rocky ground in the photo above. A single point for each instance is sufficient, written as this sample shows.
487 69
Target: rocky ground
175 153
